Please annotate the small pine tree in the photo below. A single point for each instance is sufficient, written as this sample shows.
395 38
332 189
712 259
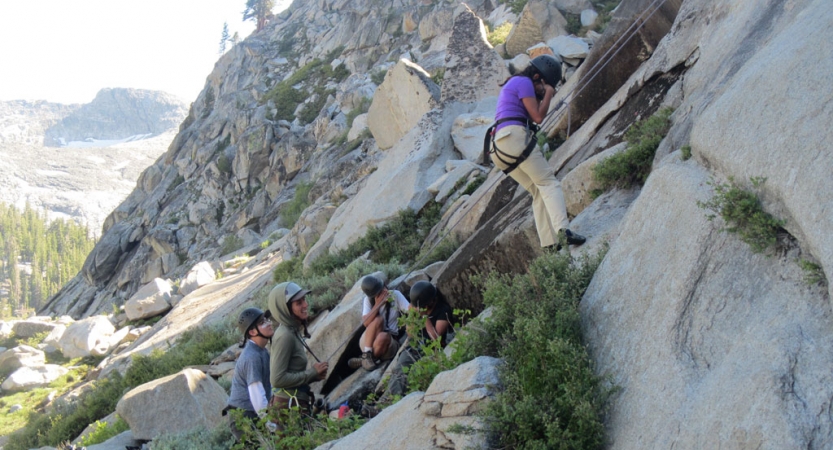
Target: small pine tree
224 38
258 11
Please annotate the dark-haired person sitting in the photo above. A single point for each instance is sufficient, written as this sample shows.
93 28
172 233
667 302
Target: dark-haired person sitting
434 307
380 316
250 385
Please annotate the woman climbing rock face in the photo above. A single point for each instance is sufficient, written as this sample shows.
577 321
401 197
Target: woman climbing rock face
523 102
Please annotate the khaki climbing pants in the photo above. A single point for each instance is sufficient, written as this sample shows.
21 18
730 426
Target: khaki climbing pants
536 176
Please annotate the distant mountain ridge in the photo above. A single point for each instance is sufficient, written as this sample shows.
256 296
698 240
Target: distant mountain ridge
118 113
25 122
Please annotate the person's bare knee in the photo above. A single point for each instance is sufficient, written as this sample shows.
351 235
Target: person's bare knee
381 344
371 333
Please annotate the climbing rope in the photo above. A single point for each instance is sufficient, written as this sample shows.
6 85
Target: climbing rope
552 117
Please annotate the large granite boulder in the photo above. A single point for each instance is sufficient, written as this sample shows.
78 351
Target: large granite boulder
89 337
101 263
150 300
707 342
173 404
472 68
578 185
426 420
21 356
30 327
199 275
400 181
400 101
26 378
540 20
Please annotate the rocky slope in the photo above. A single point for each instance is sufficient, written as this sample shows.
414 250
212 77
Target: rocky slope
710 344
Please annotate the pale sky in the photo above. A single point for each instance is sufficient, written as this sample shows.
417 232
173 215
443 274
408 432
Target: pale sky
65 51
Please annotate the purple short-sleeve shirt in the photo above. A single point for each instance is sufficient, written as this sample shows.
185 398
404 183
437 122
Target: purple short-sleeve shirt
510 101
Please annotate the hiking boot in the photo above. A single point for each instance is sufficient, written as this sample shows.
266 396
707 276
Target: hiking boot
366 362
370 411
572 238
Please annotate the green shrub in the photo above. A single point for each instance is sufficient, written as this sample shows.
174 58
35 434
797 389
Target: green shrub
104 431
498 35
224 163
551 397
35 339
230 244
378 77
391 246
218 438
196 346
433 360
573 23
299 431
438 76
474 184
398 240
291 211
633 165
686 152
441 252
517 5
813 273
314 76
743 214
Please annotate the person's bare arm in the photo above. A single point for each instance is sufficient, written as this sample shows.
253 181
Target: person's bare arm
538 110
373 312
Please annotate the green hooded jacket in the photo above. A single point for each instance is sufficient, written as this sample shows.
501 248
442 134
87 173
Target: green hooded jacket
288 358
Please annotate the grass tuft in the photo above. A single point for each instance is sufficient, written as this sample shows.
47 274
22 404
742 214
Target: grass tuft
743 213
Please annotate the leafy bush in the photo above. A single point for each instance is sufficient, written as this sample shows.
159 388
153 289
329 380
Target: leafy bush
196 346
686 152
218 438
498 35
287 98
299 432
293 209
231 243
517 5
438 76
573 23
743 214
475 183
433 360
633 165
378 77
551 398
104 431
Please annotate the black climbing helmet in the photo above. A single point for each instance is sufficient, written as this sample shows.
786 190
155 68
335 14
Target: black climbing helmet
248 318
549 67
372 286
422 294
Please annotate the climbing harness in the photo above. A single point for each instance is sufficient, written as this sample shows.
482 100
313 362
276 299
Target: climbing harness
510 161
552 117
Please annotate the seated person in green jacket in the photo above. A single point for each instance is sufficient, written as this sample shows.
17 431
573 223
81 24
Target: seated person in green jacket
290 377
